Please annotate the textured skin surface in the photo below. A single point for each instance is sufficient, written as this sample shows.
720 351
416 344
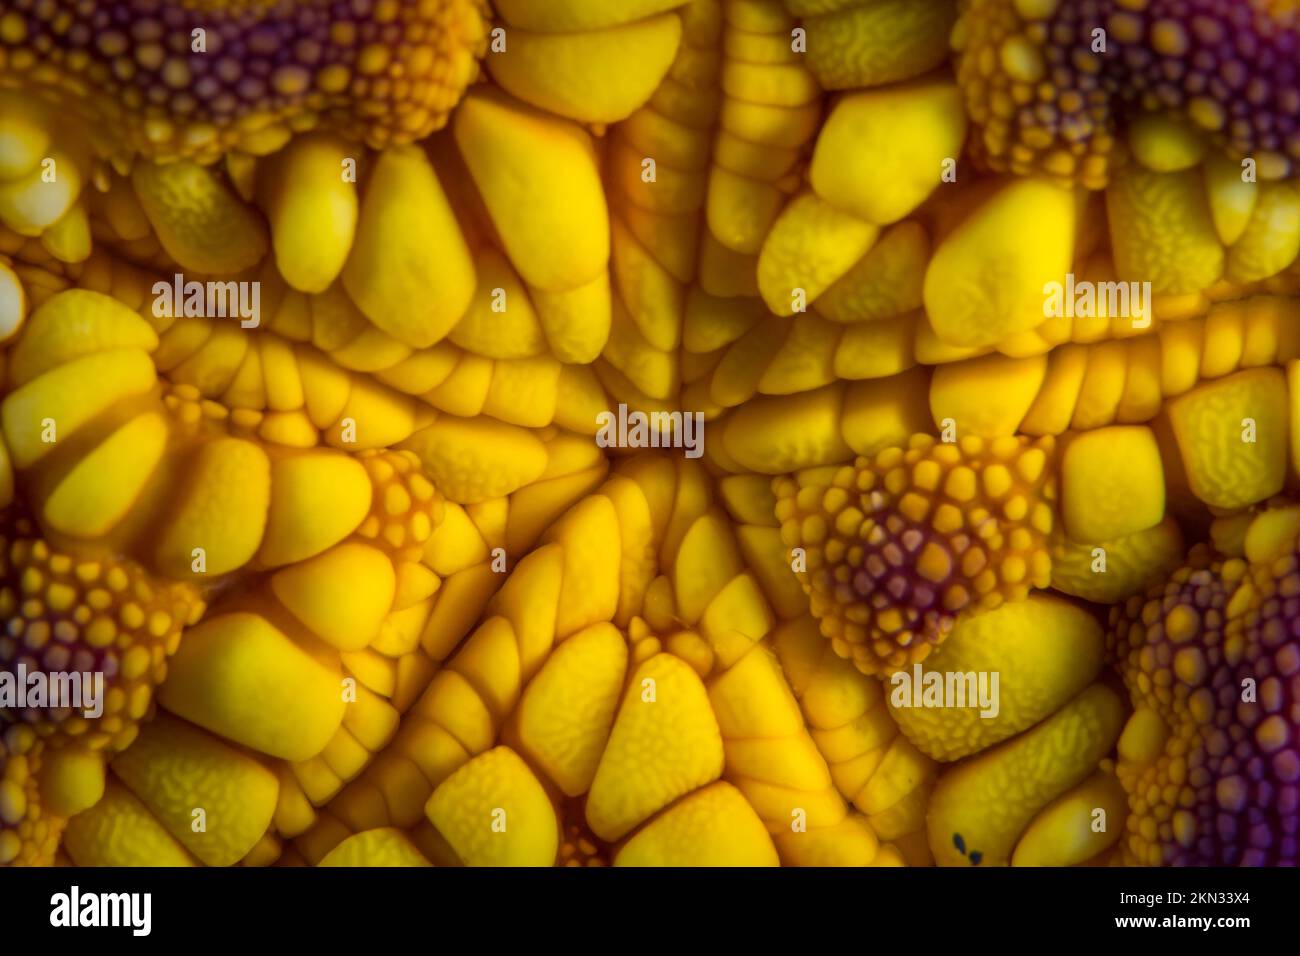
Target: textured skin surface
1211 773
1239 85
648 735
372 582
1045 651
266 67
989 801
65 614
895 548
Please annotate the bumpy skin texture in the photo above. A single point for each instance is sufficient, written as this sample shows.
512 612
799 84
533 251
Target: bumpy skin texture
381 71
1211 655
373 581
1052 94
29 833
897 547
113 618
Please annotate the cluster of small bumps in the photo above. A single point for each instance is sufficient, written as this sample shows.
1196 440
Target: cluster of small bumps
381 71
1049 99
581 847
405 507
29 834
1215 653
71 614
898 545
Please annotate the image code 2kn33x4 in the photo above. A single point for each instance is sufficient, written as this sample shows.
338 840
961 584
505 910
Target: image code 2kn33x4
650 433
